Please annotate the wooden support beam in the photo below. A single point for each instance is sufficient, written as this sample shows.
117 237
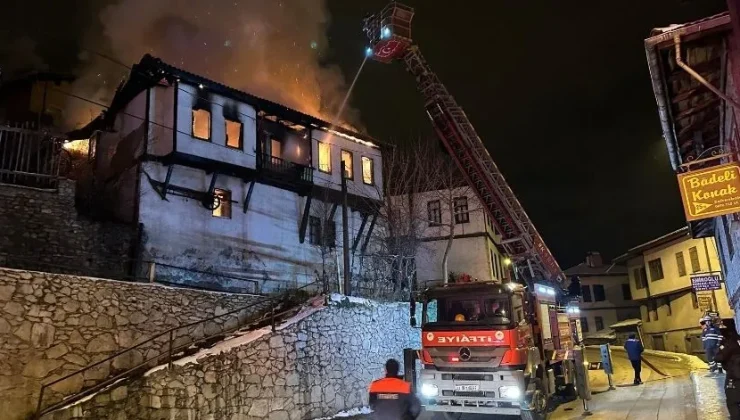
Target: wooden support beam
304 219
166 184
369 232
212 187
333 212
249 196
359 232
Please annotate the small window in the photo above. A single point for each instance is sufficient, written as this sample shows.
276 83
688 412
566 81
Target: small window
324 157
656 269
368 171
681 264
222 203
694 257
347 159
586 293
276 150
626 292
584 324
494 269
234 134
461 210
434 213
314 230
599 294
202 124
329 235
322 237
599 323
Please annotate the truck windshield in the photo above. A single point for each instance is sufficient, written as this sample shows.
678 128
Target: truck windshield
487 310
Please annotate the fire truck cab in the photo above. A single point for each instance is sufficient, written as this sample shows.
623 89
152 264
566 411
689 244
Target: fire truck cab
491 348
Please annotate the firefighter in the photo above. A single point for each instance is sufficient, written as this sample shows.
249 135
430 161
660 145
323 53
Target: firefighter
391 398
711 338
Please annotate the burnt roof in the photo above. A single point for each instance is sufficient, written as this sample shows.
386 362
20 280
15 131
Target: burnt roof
151 71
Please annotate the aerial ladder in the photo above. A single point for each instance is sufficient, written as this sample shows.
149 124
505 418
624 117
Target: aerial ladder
389 33
487 347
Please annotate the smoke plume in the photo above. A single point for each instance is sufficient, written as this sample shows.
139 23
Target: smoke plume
270 48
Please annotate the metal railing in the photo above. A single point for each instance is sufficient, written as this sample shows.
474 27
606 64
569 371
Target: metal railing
257 320
29 157
290 170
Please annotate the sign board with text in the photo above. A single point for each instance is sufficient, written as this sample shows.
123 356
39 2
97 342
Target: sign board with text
711 191
704 300
705 282
606 359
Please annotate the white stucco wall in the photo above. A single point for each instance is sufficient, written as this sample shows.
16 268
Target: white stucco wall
261 245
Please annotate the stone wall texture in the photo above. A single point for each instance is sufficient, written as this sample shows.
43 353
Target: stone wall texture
315 367
41 230
52 325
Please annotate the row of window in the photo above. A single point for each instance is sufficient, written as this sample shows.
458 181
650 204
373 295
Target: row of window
656 268
599 324
599 293
497 265
460 209
202 131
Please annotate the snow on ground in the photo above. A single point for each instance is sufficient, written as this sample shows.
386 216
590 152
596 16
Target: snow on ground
349 413
238 340
336 297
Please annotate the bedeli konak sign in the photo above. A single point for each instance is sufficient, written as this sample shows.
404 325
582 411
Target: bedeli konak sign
710 192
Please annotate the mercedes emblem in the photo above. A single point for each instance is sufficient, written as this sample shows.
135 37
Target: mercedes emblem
464 354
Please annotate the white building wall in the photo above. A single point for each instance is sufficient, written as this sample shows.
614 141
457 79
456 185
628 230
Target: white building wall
333 179
262 245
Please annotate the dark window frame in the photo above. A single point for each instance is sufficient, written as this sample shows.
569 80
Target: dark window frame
584 324
586 293
599 321
695 261
680 264
462 215
656 269
225 200
372 170
210 123
626 291
432 221
241 134
601 294
351 176
318 157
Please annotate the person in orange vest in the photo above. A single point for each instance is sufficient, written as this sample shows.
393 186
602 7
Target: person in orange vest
391 398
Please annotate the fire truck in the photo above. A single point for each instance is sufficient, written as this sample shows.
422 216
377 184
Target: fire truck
487 347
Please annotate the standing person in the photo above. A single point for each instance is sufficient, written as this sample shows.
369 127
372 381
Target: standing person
711 338
391 398
634 349
729 356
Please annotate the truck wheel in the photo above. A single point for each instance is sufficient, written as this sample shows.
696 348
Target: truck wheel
538 403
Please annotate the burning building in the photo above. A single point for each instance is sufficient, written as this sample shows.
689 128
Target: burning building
231 191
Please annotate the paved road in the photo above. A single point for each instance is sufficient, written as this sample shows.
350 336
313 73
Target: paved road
667 394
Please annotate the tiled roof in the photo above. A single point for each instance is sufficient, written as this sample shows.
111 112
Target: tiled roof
584 269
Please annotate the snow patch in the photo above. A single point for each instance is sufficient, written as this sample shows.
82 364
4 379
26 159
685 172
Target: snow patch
336 297
349 413
238 340
91 396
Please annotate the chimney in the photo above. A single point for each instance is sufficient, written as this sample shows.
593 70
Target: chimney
593 259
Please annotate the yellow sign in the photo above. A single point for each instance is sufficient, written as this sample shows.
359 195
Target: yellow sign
705 301
710 192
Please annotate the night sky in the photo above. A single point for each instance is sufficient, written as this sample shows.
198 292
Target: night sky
560 94
559 91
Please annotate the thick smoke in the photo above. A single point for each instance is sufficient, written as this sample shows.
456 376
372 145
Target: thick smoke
270 48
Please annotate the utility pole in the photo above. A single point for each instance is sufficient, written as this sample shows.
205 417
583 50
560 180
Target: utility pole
345 235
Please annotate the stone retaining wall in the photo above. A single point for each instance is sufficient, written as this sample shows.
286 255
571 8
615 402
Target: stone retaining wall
315 367
52 325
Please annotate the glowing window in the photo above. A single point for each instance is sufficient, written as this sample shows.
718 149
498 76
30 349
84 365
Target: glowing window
368 171
347 159
325 157
222 203
234 134
202 124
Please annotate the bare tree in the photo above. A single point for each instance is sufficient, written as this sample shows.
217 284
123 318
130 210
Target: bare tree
321 233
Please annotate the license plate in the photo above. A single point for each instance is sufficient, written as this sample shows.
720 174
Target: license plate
466 388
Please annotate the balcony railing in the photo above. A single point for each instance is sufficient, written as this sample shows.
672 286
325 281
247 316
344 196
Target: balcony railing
286 170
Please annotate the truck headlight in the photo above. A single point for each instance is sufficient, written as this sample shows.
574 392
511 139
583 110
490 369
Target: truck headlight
510 392
429 390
